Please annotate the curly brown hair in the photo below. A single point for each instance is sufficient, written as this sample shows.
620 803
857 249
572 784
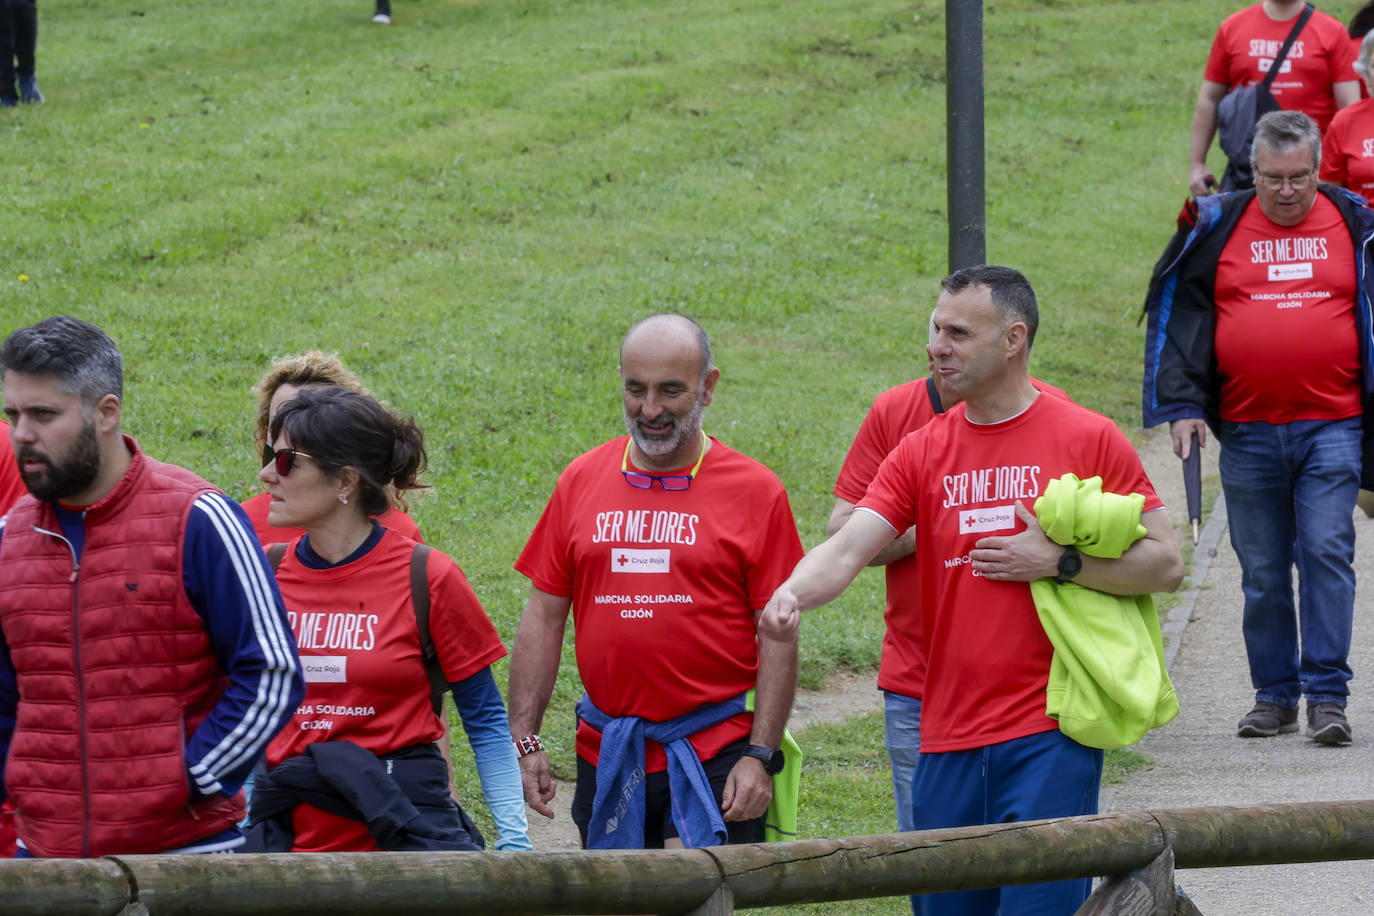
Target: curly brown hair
313 367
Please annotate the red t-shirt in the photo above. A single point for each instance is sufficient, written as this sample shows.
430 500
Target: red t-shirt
1248 41
664 585
11 483
1286 343
1348 149
365 677
895 413
958 482
257 506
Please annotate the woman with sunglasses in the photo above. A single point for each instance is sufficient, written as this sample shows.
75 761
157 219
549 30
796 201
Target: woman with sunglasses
288 375
358 768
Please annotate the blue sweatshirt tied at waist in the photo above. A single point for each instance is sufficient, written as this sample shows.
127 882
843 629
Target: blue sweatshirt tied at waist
618 807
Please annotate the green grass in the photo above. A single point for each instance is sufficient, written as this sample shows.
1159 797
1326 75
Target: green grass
472 205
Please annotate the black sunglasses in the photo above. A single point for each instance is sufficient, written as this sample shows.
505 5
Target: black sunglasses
283 458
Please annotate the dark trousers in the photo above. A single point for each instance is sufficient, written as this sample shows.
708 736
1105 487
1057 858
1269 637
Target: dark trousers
18 38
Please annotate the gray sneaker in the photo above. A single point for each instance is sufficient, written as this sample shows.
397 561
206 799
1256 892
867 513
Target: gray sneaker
1326 723
1267 720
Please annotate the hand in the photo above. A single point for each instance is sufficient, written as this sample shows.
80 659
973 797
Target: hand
780 620
1181 431
1022 557
1201 181
537 780
748 790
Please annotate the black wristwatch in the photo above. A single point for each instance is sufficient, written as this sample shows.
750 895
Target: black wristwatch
1070 564
770 757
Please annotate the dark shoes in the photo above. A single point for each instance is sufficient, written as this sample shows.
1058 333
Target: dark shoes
1267 720
1326 723
28 90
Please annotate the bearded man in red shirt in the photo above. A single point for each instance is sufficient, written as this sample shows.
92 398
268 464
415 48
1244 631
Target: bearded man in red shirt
664 544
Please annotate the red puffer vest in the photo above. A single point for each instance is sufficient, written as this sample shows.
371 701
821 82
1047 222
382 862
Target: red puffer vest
114 669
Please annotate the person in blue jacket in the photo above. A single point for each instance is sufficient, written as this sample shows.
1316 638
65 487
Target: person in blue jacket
1259 328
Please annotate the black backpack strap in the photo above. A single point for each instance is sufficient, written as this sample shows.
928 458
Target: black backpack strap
275 553
1279 58
419 598
933 393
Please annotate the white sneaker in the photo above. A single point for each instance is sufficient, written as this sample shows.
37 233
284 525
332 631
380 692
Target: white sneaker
382 19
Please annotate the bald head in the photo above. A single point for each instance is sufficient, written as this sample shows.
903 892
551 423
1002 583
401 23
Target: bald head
666 381
667 336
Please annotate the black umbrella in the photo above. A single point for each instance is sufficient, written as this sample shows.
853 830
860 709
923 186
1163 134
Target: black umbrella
1192 485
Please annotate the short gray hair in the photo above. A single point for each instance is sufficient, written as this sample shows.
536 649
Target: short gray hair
83 359
1280 131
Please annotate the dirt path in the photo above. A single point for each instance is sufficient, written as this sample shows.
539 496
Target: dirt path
847 696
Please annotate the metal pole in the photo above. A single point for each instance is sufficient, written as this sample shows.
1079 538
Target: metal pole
964 132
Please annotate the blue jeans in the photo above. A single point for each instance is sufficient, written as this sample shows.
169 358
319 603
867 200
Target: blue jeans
1039 776
902 723
1290 494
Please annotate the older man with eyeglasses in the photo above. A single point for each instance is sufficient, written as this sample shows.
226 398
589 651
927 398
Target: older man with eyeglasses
664 544
1260 327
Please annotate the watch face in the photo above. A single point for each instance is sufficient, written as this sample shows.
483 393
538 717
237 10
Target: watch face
1070 563
771 758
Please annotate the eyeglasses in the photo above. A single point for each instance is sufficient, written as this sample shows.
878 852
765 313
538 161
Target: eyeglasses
1275 182
642 481
283 458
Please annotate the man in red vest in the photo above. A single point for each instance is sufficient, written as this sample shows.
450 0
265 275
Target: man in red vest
139 623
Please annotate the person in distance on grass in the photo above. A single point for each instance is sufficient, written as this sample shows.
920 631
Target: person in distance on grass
1259 328
145 659
902 669
362 747
18 40
989 753
1315 77
664 544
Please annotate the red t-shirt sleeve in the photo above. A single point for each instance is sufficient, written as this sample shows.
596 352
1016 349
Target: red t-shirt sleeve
1219 59
892 495
1342 58
1333 151
463 635
775 555
865 456
545 560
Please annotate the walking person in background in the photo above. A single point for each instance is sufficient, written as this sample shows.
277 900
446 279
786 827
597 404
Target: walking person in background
1259 328
357 768
1348 148
1315 77
18 41
382 14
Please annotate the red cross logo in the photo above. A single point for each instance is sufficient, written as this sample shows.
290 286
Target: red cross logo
622 559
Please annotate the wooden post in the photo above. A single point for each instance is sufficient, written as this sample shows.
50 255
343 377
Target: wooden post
720 903
1147 891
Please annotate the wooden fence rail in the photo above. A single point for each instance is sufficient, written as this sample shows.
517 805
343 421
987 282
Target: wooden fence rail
698 881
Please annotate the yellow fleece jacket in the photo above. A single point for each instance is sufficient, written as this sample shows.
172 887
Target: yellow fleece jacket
1108 685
